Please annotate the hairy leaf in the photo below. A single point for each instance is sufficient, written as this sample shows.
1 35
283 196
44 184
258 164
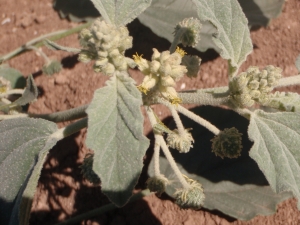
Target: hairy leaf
120 12
14 76
115 133
285 101
276 139
236 187
21 141
30 94
233 35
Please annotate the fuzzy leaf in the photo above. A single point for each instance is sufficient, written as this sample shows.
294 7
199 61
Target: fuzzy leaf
30 94
14 76
276 139
115 133
285 101
120 12
236 187
233 35
21 143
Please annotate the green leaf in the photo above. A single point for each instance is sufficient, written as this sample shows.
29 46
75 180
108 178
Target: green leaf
14 76
236 187
24 143
120 12
30 94
233 35
276 139
115 133
285 101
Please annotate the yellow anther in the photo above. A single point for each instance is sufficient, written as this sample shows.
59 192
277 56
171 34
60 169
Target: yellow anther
180 51
142 89
137 58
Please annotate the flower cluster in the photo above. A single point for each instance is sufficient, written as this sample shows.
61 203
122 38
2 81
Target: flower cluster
181 142
192 197
4 85
190 28
106 44
162 73
254 85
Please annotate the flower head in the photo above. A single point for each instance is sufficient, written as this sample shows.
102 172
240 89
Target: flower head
157 184
181 142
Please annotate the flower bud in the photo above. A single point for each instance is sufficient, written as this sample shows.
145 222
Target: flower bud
181 142
157 184
228 143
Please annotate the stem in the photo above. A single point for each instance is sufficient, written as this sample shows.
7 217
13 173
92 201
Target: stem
74 127
193 116
12 92
7 117
47 60
203 97
289 81
67 115
38 42
156 159
102 210
180 127
172 162
177 38
160 140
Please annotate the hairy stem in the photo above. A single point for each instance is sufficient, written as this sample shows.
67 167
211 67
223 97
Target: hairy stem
160 140
193 116
176 40
156 159
46 58
67 115
289 81
103 209
38 42
12 92
180 127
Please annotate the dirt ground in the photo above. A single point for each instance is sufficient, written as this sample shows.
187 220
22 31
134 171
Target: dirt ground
62 192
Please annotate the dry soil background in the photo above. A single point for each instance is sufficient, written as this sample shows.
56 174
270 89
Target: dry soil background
62 192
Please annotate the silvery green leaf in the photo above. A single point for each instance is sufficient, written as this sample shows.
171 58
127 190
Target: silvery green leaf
115 134
120 12
297 63
30 94
276 139
14 76
23 146
232 35
236 187
54 46
285 101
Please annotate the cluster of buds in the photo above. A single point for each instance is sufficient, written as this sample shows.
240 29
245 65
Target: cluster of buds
254 85
162 73
182 142
191 197
106 44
